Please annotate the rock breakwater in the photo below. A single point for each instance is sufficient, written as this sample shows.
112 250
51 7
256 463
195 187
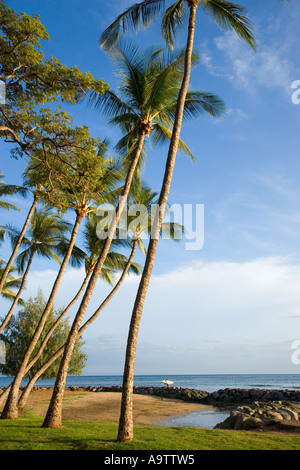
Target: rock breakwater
264 415
222 397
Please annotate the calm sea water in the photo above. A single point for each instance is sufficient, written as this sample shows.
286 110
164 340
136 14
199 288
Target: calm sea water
209 383
206 418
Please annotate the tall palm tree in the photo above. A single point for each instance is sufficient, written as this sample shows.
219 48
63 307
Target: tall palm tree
228 16
86 178
45 231
150 86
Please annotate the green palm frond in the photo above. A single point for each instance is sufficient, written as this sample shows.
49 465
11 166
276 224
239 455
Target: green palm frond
162 134
11 190
140 14
8 206
109 104
227 15
230 16
173 19
197 104
44 237
77 256
11 283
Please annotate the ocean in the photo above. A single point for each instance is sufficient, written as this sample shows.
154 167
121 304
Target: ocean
209 383
206 418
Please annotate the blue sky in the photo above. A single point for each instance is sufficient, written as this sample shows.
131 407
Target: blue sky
234 305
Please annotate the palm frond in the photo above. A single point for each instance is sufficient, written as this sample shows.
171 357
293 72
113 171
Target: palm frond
11 189
23 258
143 13
8 206
230 16
130 65
173 19
109 104
162 134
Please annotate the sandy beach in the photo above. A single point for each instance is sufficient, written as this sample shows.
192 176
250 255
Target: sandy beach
105 406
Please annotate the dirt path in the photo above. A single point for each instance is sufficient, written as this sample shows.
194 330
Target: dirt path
105 406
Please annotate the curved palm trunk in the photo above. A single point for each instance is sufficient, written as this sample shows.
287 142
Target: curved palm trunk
53 417
17 298
10 410
125 432
17 246
4 395
57 322
25 394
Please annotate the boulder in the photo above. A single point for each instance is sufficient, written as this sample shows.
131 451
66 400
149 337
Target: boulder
260 415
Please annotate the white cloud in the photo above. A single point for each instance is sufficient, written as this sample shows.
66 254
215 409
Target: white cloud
270 67
210 317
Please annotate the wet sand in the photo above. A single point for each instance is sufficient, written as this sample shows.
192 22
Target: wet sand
105 406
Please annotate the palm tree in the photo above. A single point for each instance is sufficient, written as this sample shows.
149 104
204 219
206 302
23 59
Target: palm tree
6 190
150 86
144 196
59 352
85 179
11 283
46 230
228 16
114 262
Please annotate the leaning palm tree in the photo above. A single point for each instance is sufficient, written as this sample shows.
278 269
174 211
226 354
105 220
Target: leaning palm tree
228 16
147 199
114 263
150 85
11 284
5 190
86 178
45 231
26 391
144 198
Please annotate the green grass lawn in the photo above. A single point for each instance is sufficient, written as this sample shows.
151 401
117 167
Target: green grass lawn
26 433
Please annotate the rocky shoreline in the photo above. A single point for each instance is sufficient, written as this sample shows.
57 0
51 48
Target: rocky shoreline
249 408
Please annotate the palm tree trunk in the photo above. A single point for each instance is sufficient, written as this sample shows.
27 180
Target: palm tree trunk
53 417
25 394
10 410
17 298
125 432
3 396
17 246
57 322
